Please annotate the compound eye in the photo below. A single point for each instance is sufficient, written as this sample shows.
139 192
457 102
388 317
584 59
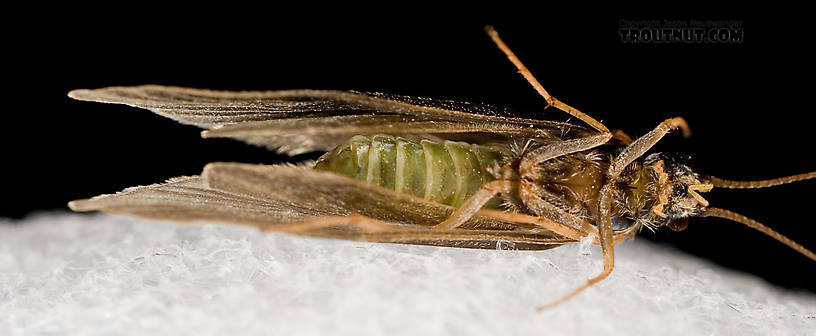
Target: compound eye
679 224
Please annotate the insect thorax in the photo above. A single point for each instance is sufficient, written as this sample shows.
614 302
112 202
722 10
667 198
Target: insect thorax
651 192
448 172
569 182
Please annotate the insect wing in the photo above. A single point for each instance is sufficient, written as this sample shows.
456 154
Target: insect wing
297 121
330 194
298 135
189 199
265 196
334 195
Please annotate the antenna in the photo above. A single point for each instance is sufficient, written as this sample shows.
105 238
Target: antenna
723 183
727 214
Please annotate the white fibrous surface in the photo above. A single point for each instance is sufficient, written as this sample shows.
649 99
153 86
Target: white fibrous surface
106 275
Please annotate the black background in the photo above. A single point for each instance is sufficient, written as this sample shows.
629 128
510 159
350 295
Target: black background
748 103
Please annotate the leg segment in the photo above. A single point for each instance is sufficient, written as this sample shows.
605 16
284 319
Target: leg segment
554 150
544 153
607 241
364 223
551 101
608 266
475 202
538 222
604 222
547 223
622 137
644 143
373 230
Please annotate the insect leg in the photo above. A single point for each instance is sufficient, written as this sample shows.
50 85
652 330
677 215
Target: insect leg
554 150
604 222
607 239
575 228
551 101
373 230
622 137
475 202
362 222
538 222
607 242
544 153
644 143
551 222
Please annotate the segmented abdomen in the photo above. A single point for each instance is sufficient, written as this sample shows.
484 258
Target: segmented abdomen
447 173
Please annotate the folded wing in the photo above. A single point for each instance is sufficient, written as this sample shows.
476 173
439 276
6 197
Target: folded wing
265 196
297 121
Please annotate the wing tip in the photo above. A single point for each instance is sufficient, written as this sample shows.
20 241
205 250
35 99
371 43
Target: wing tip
83 205
111 94
211 169
80 94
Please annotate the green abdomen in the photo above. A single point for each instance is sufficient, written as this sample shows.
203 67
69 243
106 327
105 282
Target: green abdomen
446 173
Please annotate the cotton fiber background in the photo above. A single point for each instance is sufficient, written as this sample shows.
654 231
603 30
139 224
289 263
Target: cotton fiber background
102 275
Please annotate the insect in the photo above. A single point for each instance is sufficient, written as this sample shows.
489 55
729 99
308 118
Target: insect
412 170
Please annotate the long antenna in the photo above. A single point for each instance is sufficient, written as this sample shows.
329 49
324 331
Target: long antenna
722 213
723 183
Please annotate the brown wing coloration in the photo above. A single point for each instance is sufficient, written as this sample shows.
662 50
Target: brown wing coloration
187 198
297 121
296 135
265 196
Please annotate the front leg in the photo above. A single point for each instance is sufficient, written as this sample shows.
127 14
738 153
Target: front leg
644 143
605 235
604 220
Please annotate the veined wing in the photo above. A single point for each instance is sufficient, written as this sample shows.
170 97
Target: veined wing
265 196
298 135
188 198
296 121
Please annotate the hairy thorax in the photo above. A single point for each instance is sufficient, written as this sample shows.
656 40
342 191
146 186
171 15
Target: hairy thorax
570 183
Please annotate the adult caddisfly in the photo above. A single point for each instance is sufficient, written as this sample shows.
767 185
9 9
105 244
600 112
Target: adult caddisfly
420 171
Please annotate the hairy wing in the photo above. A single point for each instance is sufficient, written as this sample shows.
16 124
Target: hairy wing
187 198
265 196
298 135
296 121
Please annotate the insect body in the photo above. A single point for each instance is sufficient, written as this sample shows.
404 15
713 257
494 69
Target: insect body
447 173
420 171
